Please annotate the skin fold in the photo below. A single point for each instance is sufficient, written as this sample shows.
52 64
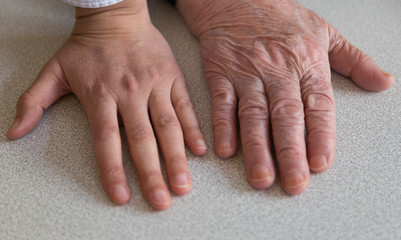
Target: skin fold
267 64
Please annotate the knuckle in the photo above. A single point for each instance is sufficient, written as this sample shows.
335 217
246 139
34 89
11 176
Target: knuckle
317 78
25 99
177 160
362 58
280 86
114 174
289 153
153 177
338 42
105 131
320 102
327 133
194 128
167 121
315 53
222 122
151 73
183 104
345 48
98 91
223 97
140 134
130 83
253 109
287 110
255 144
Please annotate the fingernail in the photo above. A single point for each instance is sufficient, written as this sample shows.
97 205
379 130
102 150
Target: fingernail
201 145
159 197
180 181
318 162
386 74
294 179
120 192
260 173
224 148
15 123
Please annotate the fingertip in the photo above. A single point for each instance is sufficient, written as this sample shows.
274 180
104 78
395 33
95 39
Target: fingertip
295 182
200 148
369 76
181 184
160 199
22 126
225 148
261 177
318 163
350 61
197 147
389 79
11 132
120 194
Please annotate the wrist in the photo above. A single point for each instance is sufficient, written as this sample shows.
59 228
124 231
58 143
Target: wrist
124 17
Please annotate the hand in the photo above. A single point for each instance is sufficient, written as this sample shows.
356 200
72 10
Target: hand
118 64
268 62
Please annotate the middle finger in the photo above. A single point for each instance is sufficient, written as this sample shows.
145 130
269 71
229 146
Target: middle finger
288 127
143 148
253 112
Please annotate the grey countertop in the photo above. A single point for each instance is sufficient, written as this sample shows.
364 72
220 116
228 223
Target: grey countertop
50 184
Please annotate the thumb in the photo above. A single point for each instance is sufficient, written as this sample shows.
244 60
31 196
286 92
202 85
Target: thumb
351 62
46 89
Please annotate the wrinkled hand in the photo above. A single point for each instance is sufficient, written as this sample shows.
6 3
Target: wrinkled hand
268 62
118 64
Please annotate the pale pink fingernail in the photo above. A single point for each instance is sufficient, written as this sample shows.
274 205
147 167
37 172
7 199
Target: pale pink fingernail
317 162
294 179
260 173
201 145
15 124
180 181
120 193
224 148
386 74
159 197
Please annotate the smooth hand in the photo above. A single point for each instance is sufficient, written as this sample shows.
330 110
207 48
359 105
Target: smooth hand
267 64
119 65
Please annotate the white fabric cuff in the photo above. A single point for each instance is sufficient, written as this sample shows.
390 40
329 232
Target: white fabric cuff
91 3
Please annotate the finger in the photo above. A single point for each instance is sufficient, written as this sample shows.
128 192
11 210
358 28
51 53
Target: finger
287 119
349 61
170 138
46 89
253 112
187 117
320 117
143 148
102 114
224 107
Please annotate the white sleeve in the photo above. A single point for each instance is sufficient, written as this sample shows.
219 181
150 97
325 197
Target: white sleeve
91 3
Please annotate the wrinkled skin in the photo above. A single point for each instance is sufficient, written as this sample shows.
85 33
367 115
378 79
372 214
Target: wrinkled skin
117 63
268 62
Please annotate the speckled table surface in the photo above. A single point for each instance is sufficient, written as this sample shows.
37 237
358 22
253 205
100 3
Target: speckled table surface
50 184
